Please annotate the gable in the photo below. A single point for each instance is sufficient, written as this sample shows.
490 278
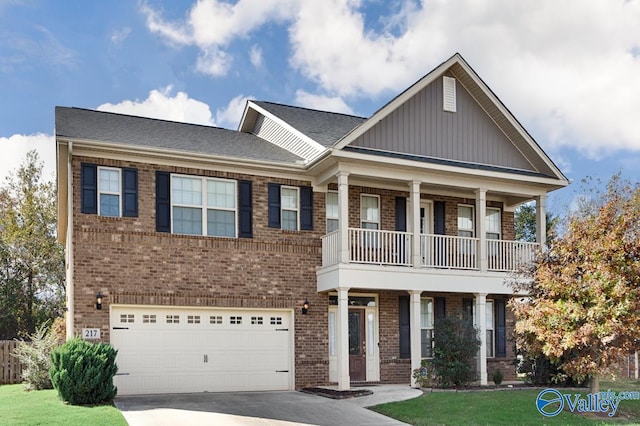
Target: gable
422 127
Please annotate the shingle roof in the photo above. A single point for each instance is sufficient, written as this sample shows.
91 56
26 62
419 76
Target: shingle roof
86 124
324 127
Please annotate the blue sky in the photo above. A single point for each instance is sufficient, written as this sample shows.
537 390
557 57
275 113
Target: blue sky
568 70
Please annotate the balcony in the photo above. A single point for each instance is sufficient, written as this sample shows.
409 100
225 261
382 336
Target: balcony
393 248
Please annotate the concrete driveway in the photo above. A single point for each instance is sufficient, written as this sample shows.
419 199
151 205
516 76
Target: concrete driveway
260 408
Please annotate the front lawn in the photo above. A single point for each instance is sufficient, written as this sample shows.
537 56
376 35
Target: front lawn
503 407
18 407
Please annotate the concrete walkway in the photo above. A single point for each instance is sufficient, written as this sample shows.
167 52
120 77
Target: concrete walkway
261 408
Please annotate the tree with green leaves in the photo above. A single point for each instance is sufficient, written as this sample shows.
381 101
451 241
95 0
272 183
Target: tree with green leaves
583 304
525 224
31 259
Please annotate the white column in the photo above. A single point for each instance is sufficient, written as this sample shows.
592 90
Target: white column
481 225
541 220
342 339
343 215
414 321
636 359
481 322
415 223
70 314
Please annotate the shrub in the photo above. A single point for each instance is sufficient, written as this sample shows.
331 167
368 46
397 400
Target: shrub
455 346
82 372
35 356
422 375
497 376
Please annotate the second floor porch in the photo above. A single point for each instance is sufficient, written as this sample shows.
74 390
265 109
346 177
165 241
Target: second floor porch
395 248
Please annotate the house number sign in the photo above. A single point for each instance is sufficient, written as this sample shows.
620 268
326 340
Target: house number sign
90 333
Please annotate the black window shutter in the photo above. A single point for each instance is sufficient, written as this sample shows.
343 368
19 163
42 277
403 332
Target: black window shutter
89 185
245 209
401 214
405 327
439 309
306 208
163 202
499 307
467 310
274 205
439 217
130 192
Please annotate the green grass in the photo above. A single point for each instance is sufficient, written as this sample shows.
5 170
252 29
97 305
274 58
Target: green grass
18 407
502 407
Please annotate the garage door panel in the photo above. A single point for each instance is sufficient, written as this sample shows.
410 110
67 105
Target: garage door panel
164 350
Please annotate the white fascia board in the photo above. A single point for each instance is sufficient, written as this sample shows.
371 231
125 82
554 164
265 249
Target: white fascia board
396 102
372 277
244 116
318 147
398 167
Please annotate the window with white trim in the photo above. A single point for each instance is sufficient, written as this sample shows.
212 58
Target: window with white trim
332 211
490 329
426 327
109 187
465 221
493 223
369 211
290 207
204 206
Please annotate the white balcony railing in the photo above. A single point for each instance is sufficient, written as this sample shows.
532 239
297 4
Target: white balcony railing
509 255
380 247
371 246
444 251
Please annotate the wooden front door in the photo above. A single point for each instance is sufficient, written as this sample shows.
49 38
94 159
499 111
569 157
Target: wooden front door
357 346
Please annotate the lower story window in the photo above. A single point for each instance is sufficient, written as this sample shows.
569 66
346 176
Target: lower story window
426 328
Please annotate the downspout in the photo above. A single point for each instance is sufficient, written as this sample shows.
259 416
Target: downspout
69 245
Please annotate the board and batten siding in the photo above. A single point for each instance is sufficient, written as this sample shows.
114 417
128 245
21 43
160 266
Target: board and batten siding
421 127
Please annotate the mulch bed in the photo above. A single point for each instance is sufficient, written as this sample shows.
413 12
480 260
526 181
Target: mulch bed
337 394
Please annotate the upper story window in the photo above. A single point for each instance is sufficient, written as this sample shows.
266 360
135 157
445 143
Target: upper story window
493 223
195 205
465 221
290 207
109 191
370 211
332 211
203 206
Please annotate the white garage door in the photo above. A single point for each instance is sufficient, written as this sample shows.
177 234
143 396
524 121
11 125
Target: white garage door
178 350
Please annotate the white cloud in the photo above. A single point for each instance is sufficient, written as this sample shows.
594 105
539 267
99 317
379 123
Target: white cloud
14 149
160 104
255 56
230 116
567 69
323 103
118 36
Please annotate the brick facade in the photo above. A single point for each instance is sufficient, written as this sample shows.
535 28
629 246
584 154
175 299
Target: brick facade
127 261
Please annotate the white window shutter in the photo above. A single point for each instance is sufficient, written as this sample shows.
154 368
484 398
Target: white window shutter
449 94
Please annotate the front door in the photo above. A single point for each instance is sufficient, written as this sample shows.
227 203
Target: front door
357 346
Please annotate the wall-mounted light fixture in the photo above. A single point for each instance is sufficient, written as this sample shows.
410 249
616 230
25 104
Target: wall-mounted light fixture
98 300
305 307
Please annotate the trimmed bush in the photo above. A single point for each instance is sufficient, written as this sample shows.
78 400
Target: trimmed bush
455 346
35 356
82 372
498 376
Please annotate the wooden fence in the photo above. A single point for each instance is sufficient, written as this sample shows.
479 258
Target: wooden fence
10 367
